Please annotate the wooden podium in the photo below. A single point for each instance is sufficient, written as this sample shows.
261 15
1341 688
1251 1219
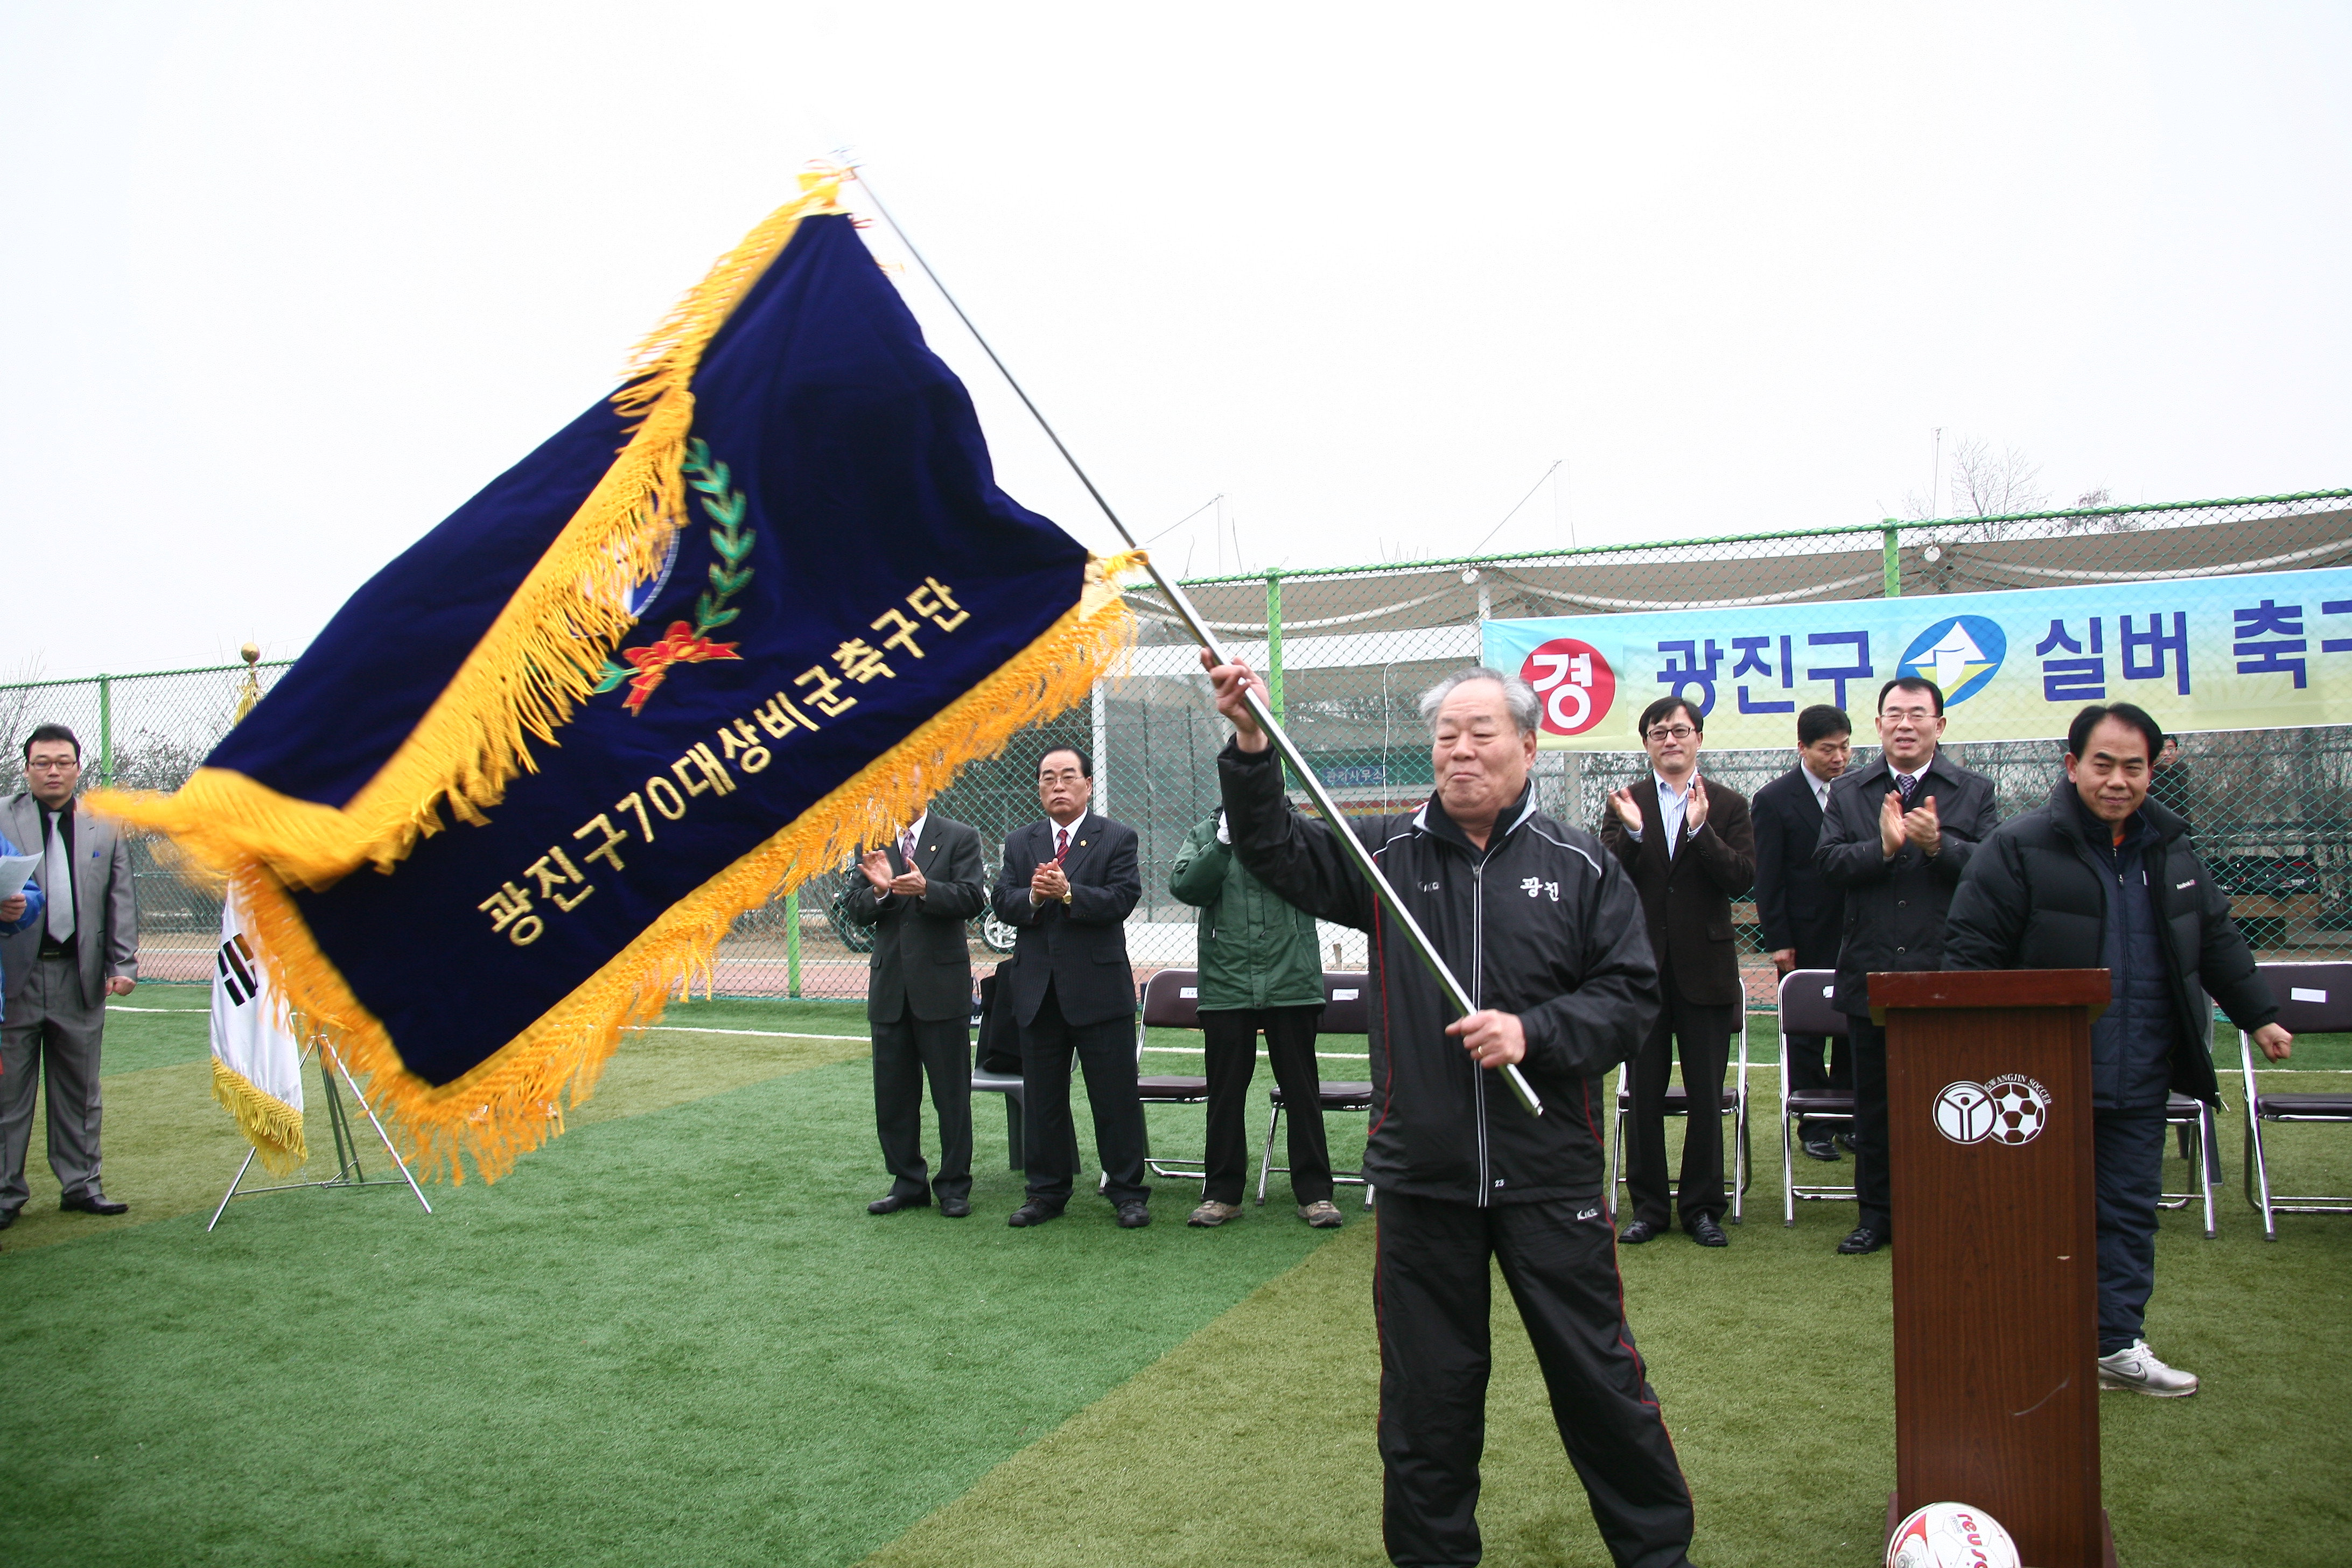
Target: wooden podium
1995 1257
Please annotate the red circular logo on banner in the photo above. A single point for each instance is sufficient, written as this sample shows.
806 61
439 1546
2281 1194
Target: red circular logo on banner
1575 682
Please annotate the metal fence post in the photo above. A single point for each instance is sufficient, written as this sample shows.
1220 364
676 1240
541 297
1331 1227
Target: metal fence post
1894 551
1273 643
106 733
1099 742
791 943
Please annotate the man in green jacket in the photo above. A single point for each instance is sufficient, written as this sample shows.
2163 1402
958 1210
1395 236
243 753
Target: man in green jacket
1260 970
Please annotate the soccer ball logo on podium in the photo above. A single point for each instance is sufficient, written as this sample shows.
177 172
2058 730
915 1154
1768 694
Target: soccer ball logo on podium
2010 1108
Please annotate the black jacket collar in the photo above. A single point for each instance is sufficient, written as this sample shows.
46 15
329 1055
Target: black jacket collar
1939 768
1432 820
2152 823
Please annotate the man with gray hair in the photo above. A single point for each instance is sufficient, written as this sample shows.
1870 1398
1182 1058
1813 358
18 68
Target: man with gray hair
1545 928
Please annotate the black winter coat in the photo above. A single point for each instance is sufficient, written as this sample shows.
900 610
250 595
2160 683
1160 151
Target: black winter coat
1894 909
1544 923
2036 896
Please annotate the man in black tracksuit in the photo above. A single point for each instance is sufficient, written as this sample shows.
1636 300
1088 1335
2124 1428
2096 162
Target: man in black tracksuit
1545 928
2104 877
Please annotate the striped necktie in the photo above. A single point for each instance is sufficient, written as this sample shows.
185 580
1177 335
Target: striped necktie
1907 783
906 846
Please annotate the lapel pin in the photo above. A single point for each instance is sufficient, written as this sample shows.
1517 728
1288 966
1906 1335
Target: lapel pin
1082 844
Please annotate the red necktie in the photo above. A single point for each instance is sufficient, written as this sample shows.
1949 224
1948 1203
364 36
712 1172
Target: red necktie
1061 843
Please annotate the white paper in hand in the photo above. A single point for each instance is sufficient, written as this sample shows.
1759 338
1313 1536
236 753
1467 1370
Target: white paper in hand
16 870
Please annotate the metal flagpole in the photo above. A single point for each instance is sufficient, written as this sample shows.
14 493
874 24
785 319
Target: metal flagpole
1199 626
347 1144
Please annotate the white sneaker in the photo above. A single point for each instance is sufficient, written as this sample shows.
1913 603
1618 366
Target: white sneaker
2138 1370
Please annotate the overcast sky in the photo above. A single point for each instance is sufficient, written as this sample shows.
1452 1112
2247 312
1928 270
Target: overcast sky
281 285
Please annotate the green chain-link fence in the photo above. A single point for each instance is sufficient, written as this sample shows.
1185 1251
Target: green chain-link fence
1349 651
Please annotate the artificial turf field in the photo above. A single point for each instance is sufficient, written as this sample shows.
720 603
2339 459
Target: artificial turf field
674 1336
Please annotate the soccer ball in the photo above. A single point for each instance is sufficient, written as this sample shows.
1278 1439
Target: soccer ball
1951 1535
2017 1113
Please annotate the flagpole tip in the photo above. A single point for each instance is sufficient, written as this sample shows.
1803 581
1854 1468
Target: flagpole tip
250 653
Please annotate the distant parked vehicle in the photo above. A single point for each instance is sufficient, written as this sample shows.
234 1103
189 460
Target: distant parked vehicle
2263 876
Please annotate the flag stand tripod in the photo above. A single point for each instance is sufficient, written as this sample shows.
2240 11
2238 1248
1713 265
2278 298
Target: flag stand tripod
347 1144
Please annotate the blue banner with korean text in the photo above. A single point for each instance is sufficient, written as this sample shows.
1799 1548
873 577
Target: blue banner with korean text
2268 650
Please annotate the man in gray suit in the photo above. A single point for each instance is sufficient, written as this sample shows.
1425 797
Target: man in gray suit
917 893
58 971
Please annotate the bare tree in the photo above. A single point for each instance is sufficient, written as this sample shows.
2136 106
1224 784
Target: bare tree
1986 485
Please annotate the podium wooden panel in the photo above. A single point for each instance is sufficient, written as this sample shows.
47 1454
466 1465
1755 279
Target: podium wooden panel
1996 1255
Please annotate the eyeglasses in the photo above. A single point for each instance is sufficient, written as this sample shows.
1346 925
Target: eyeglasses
1917 715
1067 776
1673 732
52 765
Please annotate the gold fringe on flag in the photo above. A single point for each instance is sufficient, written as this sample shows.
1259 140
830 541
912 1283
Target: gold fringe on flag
511 1102
273 1127
541 656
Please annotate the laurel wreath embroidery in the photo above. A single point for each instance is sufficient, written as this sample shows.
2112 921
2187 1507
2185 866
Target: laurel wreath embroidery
689 642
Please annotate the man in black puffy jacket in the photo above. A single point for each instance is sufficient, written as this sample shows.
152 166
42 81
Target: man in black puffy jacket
2103 877
1545 928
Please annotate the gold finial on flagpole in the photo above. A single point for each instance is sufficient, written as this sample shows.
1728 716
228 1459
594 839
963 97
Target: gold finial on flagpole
251 693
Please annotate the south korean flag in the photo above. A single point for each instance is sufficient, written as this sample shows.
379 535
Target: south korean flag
257 1063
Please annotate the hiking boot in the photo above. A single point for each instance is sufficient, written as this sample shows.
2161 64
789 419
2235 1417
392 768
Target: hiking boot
2137 1368
1212 1213
1322 1214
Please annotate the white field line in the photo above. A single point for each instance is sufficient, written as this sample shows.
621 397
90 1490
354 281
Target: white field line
762 1034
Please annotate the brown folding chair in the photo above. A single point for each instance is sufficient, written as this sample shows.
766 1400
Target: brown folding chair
2313 998
1809 1006
1347 1010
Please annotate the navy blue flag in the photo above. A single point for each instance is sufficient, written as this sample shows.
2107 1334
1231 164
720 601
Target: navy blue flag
752 610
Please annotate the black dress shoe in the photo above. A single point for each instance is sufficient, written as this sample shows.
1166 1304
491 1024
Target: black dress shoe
1821 1149
1706 1233
8 1219
1640 1231
1860 1239
1845 1142
1134 1215
894 1202
956 1208
94 1202
1031 1213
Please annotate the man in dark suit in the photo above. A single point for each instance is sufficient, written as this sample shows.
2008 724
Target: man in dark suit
1691 851
1802 915
1068 884
1894 840
917 893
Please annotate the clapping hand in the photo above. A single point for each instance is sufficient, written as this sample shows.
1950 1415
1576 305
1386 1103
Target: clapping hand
1923 827
1695 808
1048 884
909 883
1628 809
1892 829
876 867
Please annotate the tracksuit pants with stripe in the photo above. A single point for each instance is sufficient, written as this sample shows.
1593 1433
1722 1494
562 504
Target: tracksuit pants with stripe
1432 1286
